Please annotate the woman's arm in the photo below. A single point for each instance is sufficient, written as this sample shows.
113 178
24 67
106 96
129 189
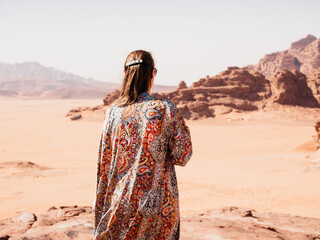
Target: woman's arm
100 150
180 145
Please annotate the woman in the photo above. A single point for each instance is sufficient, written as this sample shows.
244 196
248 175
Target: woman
143 137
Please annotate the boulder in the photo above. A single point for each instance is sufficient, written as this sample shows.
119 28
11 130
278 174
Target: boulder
75 117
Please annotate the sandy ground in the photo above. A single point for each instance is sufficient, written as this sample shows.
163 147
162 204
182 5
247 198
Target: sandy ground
260 162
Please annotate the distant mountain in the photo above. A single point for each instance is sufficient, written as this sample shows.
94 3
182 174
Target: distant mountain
303 56
31 77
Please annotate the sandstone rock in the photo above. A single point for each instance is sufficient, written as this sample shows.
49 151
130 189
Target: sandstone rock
317 128
236 88
221 109
200 97
302 43
76 222
241 223
313 81
291 88
182 85
68 222
25 217
233 90
75 117
111 97
303 56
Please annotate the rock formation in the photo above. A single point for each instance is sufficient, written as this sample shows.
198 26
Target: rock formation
76 222
111 97
291 88
314 83
182 85
317 128
234 90
303 56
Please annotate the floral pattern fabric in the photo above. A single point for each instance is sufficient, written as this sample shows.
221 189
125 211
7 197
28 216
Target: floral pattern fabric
137 192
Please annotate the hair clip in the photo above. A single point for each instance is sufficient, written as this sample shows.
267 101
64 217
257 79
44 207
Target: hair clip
134 62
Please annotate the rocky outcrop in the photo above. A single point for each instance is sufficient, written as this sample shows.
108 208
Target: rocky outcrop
291 88
65 222
78 112
236 89
317 128
302 43
111 97
303 56
182 85
233 90
313 81
76 222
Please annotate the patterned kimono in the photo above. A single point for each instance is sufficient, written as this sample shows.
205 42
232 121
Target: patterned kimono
137 193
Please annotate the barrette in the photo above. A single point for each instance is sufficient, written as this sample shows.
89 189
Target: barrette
134 62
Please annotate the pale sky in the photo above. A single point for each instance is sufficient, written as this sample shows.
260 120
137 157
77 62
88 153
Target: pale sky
188 39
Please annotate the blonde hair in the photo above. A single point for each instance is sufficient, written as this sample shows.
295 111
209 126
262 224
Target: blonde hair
137 78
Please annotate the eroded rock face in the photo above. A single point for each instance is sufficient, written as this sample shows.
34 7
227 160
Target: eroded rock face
303 56
234 90
64 222
111 97
249 224
239 89
182 85
314 83
317 128
291 88
76 222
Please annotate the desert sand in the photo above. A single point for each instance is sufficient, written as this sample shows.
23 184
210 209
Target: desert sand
258 160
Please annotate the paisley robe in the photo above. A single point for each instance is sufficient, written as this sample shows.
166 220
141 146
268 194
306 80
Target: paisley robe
137 193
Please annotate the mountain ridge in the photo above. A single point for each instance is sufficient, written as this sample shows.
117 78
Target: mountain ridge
31 79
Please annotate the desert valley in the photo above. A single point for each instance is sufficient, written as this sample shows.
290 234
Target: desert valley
254 173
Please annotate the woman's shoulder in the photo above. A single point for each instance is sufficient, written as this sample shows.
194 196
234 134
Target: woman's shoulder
165 101
167 105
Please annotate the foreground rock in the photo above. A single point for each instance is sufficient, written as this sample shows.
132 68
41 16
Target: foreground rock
76 222
238 223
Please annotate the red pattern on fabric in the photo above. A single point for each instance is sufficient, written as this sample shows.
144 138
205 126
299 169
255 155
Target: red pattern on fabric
137 192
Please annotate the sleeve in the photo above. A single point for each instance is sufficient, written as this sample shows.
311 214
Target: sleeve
100 154
98 170
180 145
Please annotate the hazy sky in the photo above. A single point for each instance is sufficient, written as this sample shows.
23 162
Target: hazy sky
188 39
